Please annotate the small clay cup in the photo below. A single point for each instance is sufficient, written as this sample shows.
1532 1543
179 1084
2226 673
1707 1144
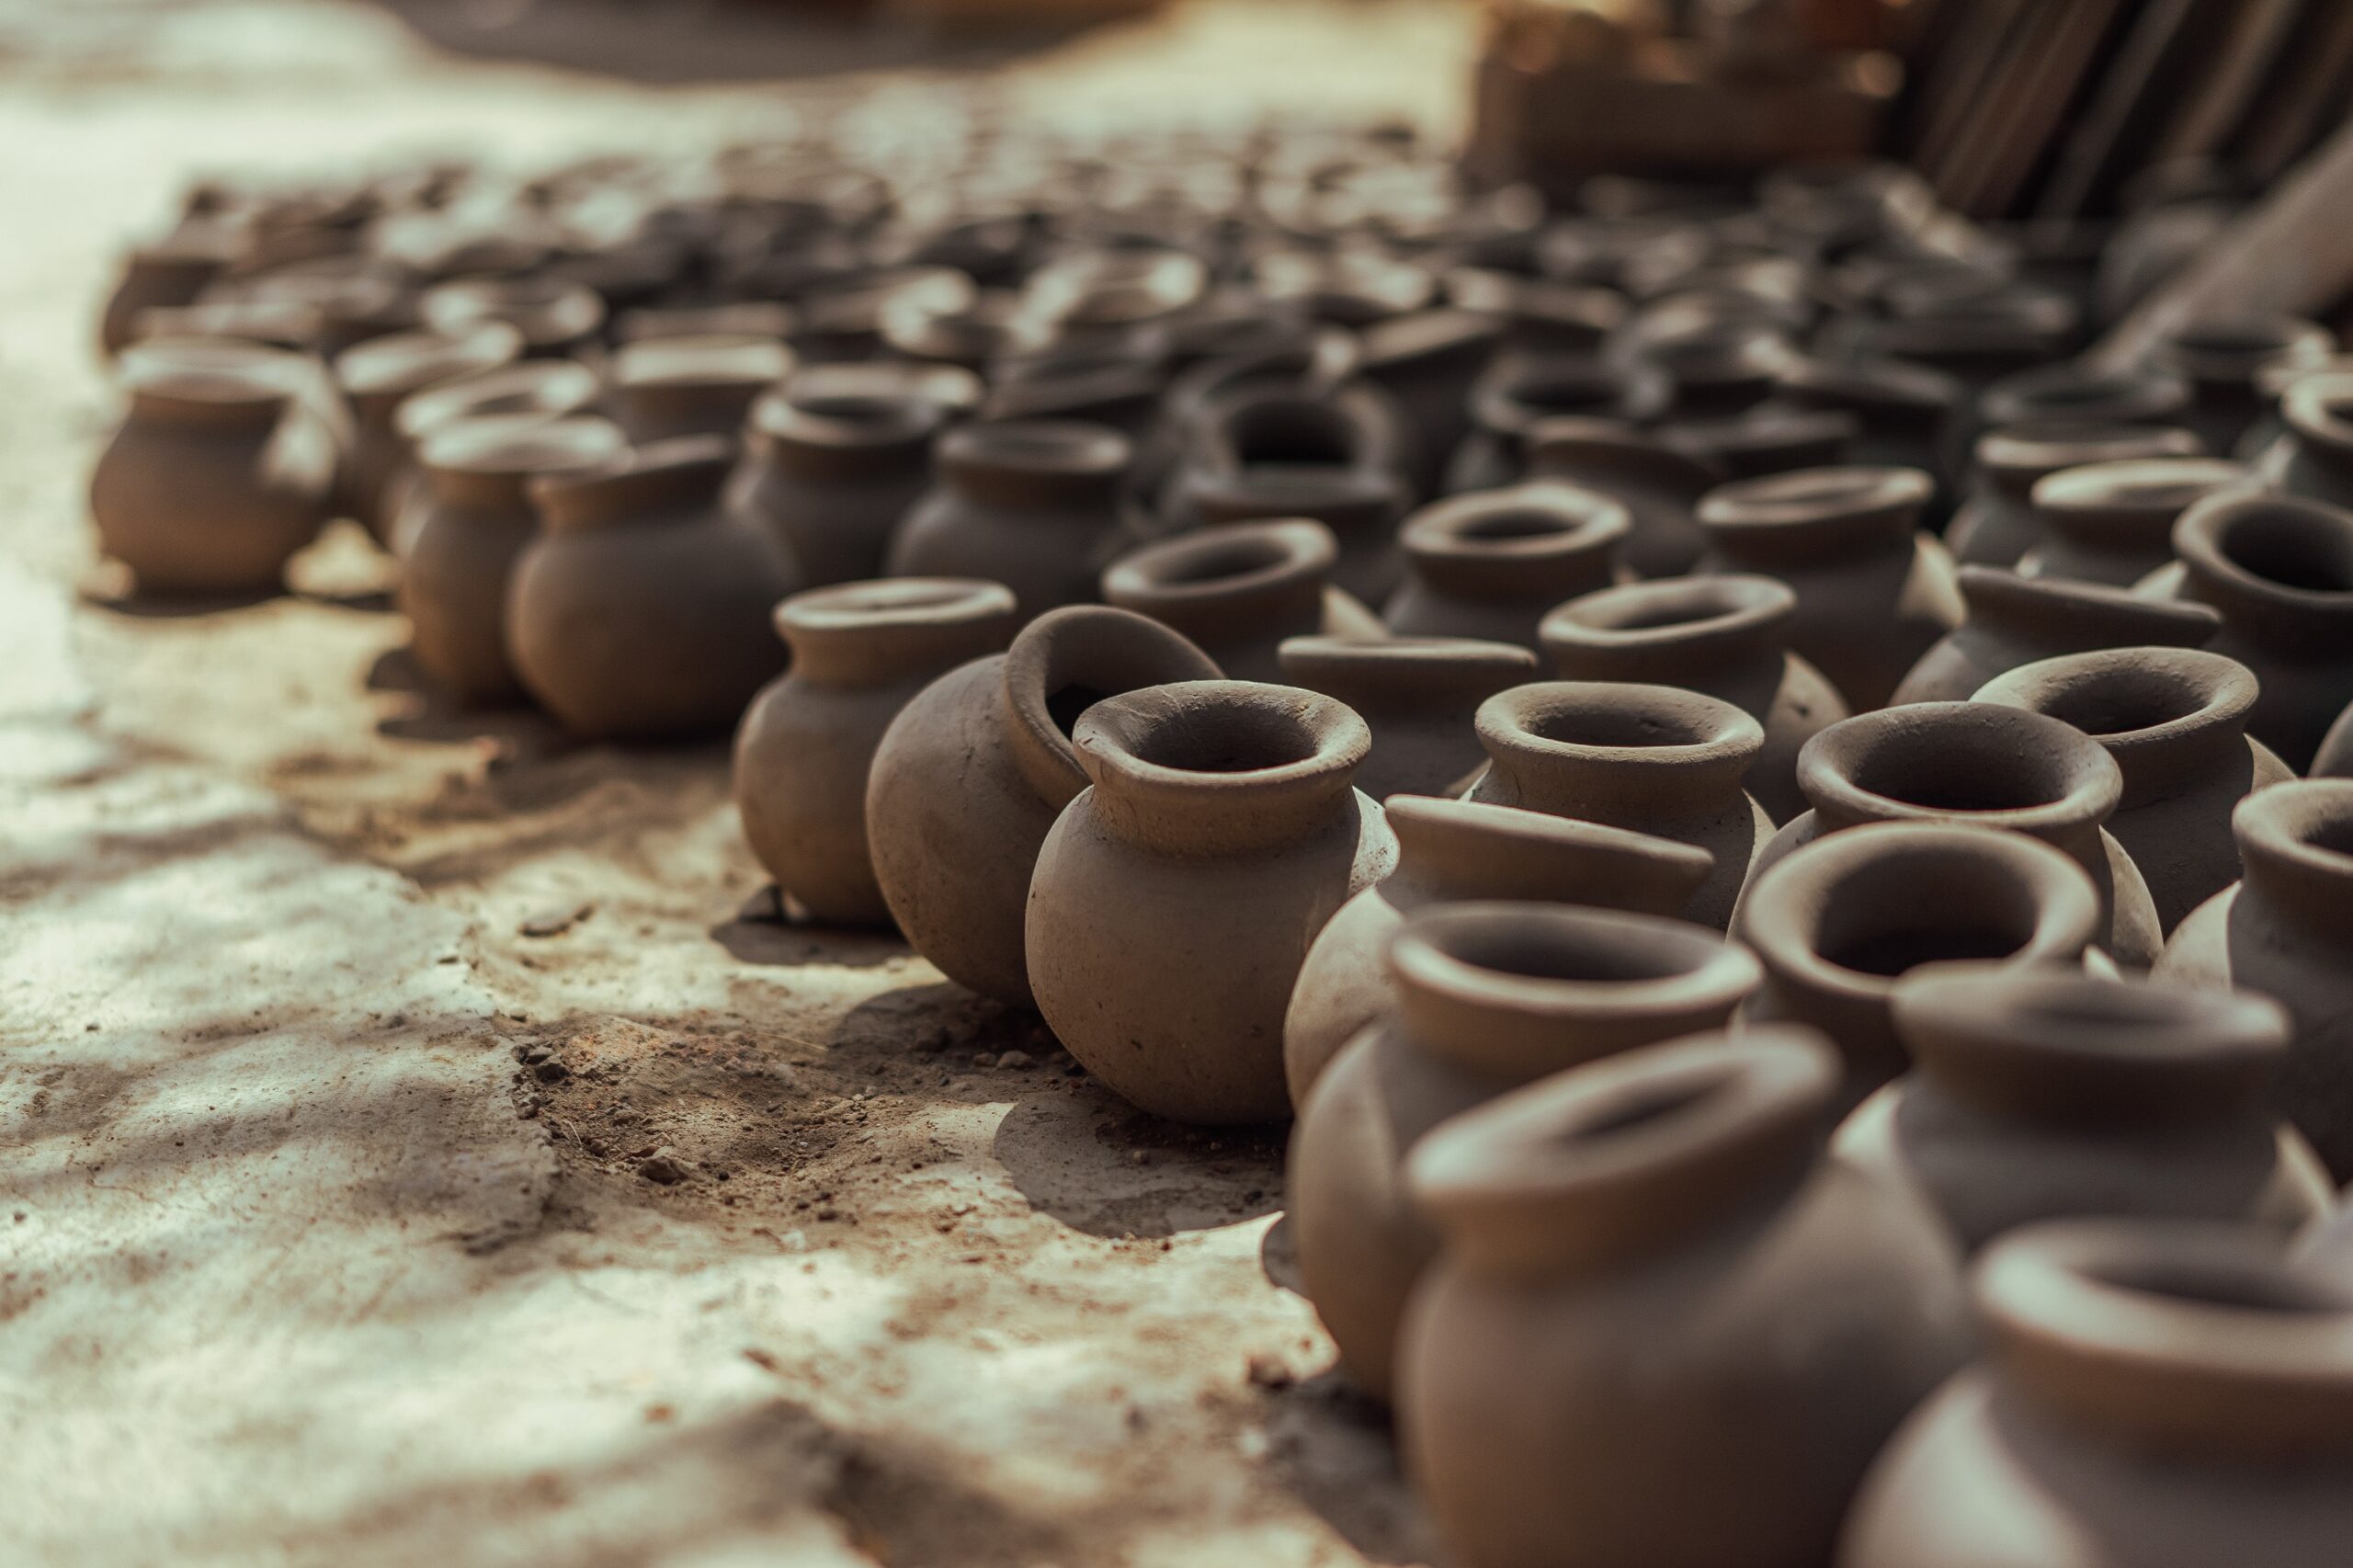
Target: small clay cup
1418 695
2113 522
1659 487
829 477
1488 566
2015 621
1995 523
1033 505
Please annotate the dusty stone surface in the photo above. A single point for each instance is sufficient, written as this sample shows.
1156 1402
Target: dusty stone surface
421 1140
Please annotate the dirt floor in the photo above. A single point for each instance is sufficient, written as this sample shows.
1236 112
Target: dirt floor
420 1142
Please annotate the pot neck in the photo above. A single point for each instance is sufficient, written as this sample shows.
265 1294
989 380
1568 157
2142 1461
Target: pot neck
1453 851
2295 841
893 631
1961 762
1066 662
1673 633
2168 717
1623 755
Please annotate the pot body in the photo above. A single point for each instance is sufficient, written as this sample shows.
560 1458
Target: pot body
453 589
202 504
1863 618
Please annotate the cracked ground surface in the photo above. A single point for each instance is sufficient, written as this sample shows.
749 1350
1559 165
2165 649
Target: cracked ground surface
419 1142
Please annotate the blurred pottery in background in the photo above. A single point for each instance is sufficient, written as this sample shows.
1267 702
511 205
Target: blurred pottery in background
1237 592
2224 360
666 387
1033 505
829 477
2013 620
1489 564
1417 694
376 377
1659 488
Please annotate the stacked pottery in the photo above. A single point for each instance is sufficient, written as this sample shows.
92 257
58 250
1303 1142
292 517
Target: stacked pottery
665 387
1238 592
1659 487
2113 522
829 477
2013 620
954 860
1489 997
860 652
375 378
1033 505
1491 563
1417 694
1175 899
1663 1328
1996 523
2224 360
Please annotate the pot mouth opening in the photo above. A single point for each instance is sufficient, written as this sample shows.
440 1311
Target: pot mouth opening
1622 728
1279 428
1223 561
2208 1282
1541 519
1890 953
1966 758
1227 738
1688 605
2292 549
1585 956
2106 698
1923 775
1507 525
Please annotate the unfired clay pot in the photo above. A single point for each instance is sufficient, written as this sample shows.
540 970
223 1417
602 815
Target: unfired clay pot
1489 997
1840 921
829 478
2312 456
2045 1094
1520 394
1662 1328
1995 523
1418 694
1361 507
2225 359
1660 488
1726 636
1174 900
954 858
1032 504
860 652
703 385
1460 851
2113 522
641 612
512 392
2286 930
2015 621
2174 721
1873 593
2162 1394
1651 759
376 377
1427 362
1489 564
1900 410
1238 591
1234 429
222 468
174 270
467 522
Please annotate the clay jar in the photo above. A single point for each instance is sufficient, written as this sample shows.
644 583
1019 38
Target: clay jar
1873 593
1175 899
1238 591
2313 457
2163 1394
467 521
1361 508
2015 621
1660 488
1603 1367
220 469
1995 523
704 385
175 270
829 477
2113 522
1725 636
558 319
1648 758
2042 1095
1521 393
1902 410
2286 930
1417 694
641 612
1031 504
1251 425
2224 360
1491 563
2173 720
860 652
1427 361
530 389
1461 851
1489 997
1837 923
376 377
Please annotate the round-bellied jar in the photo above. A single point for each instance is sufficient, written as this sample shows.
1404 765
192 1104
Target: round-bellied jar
512 390
1237 592
829 477
1033 505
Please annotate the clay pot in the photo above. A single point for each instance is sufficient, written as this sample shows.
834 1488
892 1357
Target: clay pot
557 318
2224 361
1602 1368
2173 720
2271 385
1032 504
375 378
221 468
1489 564
1237 592
2280 572
528 389
2286 930
829 478
2158 1393
1873 591
2015 621
640 612
1724 636
665 387
1996 523
1252 426
1840 921
467 521
1901 412
993 324
1766 439
1659 487
1489 997
1427 362
2313 457
1174 900
1457 852
1523 393
1417 694
2042 1094
2145 395
842 315
1119 387
1539 316
860 653
2113 522
1648 758
1359 506
175 270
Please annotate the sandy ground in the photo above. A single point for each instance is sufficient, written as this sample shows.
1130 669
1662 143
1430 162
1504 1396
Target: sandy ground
418 1143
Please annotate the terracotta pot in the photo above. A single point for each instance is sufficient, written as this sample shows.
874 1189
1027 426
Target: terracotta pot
860 653
1659 487
528 389
1996 522
1489 997
1174 900
467 521
375 378
1648 758
221 468
1602 1368
2042 1094
1417 694
1903 412
666 387
1525 391
1033 505
641 612
1490 564
1840 921
1116 386
1429 361
1359 506
829 478
2146 395
2113 522
2284 930
1253 427
1873 591
1724 636
2173 720
2312 456
2015 621
557 318
2156 1393
1456 852
175 270
2271 385
2280 572
2223 359
1766 439
1237 592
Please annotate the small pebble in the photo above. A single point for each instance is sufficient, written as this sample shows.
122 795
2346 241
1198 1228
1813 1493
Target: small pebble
1270 1372
550 1072
1139 1157
1016 1060
556 922
793 1241
664 1166
984 1059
